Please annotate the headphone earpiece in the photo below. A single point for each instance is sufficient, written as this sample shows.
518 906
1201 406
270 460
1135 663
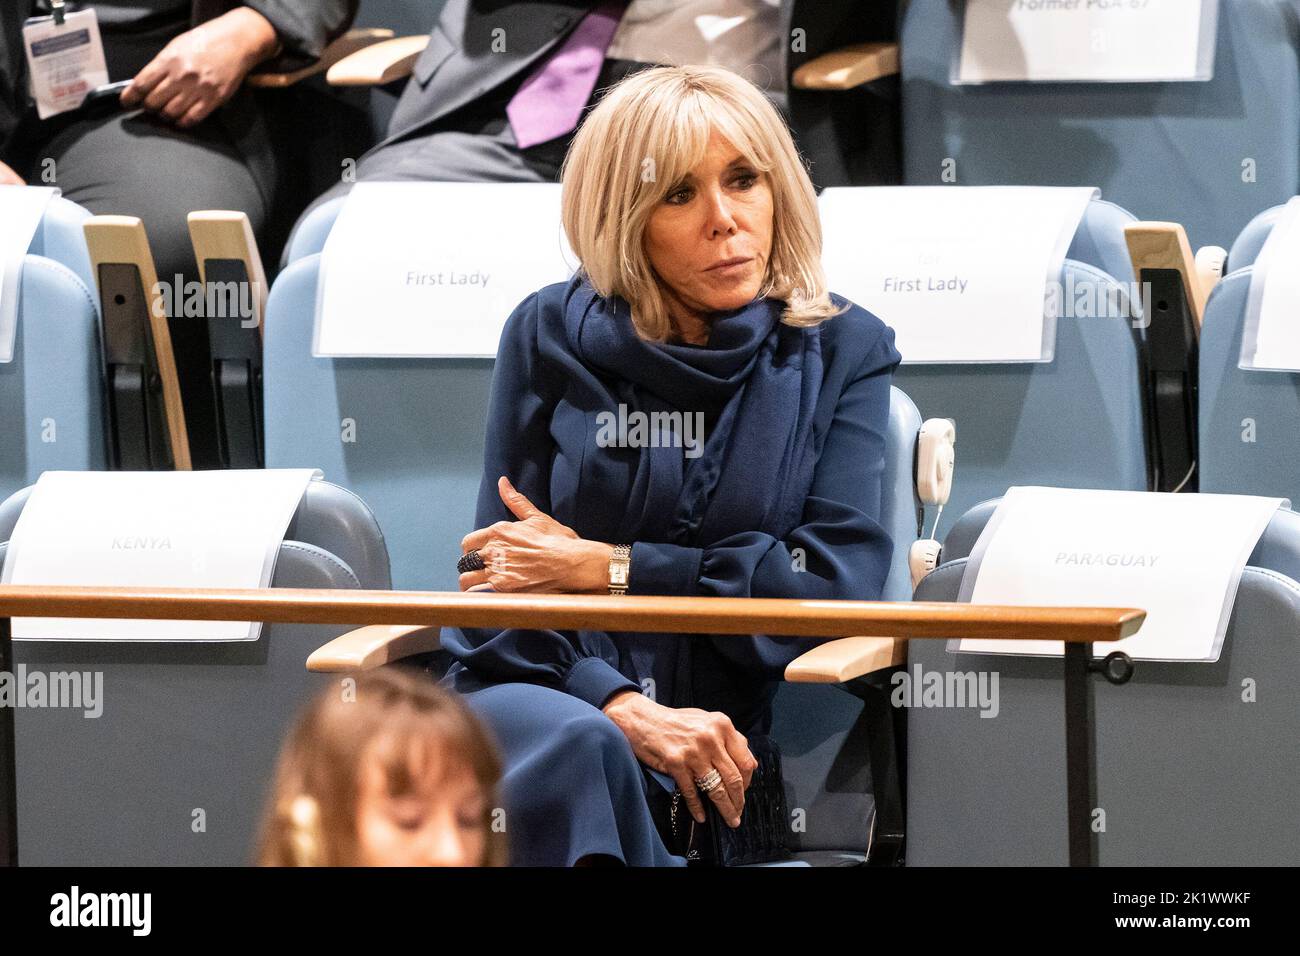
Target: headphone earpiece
935 459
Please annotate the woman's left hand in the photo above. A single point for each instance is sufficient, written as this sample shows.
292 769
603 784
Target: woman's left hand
535 553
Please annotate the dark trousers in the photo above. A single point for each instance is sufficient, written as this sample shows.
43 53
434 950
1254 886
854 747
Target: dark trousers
132 164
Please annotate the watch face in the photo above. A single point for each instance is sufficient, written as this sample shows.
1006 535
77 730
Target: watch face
618 575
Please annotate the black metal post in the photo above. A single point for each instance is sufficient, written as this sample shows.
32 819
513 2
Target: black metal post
8 766
1080 766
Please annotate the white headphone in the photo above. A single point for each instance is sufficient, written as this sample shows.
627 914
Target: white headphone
935 457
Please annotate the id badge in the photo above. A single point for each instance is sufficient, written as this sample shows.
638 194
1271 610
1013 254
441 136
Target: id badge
64 62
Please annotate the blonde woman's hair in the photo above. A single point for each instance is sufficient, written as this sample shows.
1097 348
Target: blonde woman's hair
390 715
640 141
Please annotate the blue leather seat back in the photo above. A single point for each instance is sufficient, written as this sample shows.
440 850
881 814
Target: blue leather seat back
52 392
1246 247
1195 762
406 435
177 769
1076 421
60 236
1205 154
310 236
1249 421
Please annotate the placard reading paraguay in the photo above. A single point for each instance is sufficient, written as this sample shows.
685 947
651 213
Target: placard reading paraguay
1179 557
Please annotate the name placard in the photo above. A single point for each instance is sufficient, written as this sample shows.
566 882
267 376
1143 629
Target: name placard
961 273
435 269
1087 41
1270 337
1179 557
185 529
21 209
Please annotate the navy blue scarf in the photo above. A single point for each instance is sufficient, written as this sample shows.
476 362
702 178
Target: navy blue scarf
756 382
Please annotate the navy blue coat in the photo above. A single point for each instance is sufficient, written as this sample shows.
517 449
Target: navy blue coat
542 434
781 499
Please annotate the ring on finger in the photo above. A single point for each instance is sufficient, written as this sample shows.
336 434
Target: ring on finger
472 560
710 781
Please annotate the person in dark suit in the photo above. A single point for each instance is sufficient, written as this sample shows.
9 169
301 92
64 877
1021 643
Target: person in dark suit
189 135
700 303
453 120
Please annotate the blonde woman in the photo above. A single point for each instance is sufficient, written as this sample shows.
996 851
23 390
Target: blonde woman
385 769
692 414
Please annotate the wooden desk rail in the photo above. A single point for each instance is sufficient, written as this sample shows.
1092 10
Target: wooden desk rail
579 612
1076 626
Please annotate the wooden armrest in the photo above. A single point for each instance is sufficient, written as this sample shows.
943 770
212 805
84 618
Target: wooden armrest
366 648
838 661
1163 245
340 49
848 67
378 64
225 234
121 240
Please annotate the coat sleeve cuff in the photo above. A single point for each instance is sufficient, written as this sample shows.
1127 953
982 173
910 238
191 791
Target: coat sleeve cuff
594 680
667 569
303 31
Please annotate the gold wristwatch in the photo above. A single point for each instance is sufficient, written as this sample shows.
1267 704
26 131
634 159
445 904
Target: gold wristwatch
620 563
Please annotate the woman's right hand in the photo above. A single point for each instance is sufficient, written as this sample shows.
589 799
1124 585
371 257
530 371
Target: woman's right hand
10 178
686 743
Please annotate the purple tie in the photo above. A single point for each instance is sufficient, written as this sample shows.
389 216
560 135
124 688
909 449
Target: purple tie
551 100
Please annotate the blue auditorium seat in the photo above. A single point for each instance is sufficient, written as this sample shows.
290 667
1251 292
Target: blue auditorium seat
418 426
1166 151
52 393
59 236
1076 421
185 727
417 460
315 228
835 747
1237 404
1189 773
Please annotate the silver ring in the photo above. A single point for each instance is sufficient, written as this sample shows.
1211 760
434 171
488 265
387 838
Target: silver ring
709 781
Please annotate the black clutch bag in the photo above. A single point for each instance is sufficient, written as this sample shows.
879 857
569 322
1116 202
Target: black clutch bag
761 836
